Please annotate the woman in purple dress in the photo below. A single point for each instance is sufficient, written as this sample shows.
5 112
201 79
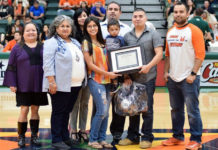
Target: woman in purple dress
24 77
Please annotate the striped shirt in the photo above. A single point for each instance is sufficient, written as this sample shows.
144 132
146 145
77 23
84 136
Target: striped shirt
100 59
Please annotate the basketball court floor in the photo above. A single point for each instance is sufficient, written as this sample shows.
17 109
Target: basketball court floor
162 123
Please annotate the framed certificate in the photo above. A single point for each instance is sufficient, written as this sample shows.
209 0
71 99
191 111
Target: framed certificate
126 59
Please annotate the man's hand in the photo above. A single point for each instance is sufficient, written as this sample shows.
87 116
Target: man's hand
145 69
190 79
127 82
166 75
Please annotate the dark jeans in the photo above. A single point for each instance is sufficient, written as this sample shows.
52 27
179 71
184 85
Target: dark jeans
117 123
62 105
182 93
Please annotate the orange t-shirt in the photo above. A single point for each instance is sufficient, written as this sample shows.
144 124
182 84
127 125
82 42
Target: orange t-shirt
102 1
71 2
18 9
9 46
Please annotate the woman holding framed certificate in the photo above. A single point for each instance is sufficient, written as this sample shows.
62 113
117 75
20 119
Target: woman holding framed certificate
95 55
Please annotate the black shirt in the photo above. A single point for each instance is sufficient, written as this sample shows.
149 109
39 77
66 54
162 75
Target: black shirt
6 10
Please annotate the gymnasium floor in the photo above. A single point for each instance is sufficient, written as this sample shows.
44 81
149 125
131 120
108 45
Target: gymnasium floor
162 122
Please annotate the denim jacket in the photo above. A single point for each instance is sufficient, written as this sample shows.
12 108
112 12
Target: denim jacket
57 62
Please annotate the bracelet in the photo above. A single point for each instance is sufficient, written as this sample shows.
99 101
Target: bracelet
51 83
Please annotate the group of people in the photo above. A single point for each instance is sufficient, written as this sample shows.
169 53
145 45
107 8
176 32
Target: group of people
73 63
94 7
20 8
18 13
21 12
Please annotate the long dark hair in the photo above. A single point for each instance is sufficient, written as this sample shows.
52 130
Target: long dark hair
22 41
86 34
79 34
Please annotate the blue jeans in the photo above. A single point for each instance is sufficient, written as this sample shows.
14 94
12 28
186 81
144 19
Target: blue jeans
147 125
101 98
182 93
68 11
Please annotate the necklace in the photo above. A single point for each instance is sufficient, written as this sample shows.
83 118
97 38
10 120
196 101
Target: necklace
77 57
97 44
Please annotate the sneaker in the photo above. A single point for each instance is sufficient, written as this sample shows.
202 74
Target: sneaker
172 141
71 142
193 145
125 142
116 138
145 144
60 145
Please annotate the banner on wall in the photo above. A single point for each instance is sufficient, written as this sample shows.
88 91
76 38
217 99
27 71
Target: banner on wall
209 73
3 67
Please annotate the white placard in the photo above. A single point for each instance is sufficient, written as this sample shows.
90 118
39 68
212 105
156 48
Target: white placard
3 67
209 73
126 59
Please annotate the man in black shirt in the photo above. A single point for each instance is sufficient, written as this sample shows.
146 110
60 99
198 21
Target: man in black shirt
6 12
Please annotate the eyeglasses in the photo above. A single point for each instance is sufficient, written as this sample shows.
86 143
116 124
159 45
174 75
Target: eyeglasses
94 26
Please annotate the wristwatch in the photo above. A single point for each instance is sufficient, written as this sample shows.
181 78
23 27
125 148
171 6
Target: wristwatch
193 73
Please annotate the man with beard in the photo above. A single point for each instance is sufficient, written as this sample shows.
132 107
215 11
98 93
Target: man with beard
185 53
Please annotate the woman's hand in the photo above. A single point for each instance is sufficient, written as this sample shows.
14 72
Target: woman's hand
52 88
13 89
113 75
52 84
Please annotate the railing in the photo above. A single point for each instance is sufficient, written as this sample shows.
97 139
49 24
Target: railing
133 2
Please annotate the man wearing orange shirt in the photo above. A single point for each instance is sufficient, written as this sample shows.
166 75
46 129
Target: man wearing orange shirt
67 6
11 44
185 53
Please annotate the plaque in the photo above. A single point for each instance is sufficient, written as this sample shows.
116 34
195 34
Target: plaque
127 59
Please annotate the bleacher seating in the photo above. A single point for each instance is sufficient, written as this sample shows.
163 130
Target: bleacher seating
154 9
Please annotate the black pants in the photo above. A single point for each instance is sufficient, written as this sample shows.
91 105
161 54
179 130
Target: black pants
62 105
117 124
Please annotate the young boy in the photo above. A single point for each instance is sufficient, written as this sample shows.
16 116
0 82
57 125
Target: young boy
113 41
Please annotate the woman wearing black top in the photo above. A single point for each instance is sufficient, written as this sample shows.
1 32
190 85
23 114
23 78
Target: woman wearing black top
81 105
